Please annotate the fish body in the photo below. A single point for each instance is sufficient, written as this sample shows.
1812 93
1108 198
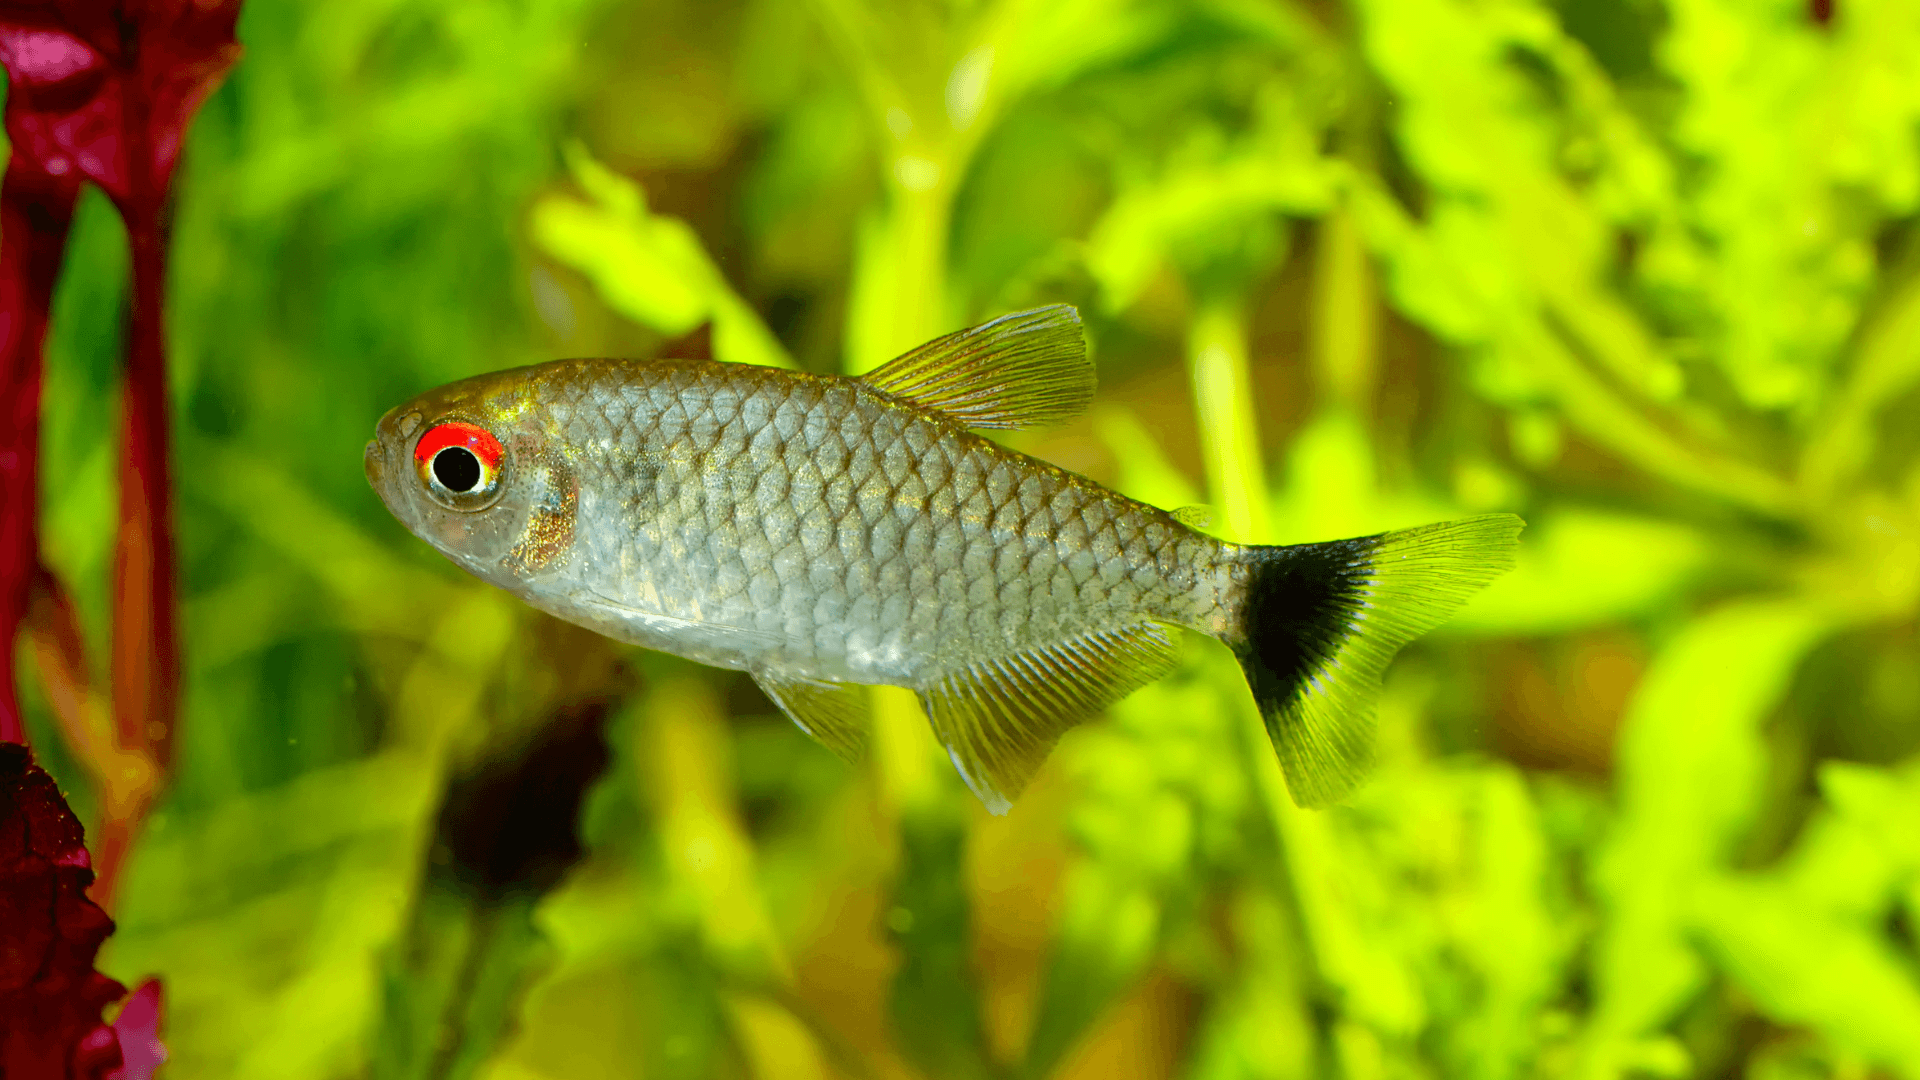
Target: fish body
824 533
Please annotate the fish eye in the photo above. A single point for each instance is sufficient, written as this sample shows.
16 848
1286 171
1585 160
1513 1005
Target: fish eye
461 465
457 469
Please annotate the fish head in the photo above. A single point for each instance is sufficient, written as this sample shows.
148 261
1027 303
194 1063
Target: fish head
474 469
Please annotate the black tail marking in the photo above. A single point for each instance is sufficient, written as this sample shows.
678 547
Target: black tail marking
1320 623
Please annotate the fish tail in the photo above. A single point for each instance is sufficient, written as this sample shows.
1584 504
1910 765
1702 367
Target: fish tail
1318 624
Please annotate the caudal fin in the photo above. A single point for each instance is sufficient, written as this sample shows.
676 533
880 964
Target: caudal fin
1321 621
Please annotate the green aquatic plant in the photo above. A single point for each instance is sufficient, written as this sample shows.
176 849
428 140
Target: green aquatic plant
1643 273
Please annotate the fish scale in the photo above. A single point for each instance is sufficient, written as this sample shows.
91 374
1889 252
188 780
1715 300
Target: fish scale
825 533
770 473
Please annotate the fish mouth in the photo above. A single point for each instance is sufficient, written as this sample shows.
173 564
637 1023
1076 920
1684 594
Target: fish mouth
376 460
392 430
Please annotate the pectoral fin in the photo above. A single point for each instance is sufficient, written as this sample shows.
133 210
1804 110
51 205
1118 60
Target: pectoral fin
999 718
625 622
1027 369
835 713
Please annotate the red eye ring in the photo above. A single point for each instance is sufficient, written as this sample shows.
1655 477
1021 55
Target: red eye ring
477 440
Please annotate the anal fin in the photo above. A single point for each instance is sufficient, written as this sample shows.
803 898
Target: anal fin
999 718
832 712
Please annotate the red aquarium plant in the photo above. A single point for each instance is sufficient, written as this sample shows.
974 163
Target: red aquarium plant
50 994
101 92
36 207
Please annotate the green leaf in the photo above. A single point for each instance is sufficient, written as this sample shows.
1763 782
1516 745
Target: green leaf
648 267
454 986
1885 366
1214 204
1791 227
1806 966
1154 808
1109 927
1582 568
1259 1027
933 1002
214 899
1809 938
1533 170
505 835
1510 934
1691 762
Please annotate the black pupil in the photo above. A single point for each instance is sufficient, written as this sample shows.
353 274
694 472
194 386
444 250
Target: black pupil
456 468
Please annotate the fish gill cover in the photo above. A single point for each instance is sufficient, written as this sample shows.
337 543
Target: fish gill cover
1643 273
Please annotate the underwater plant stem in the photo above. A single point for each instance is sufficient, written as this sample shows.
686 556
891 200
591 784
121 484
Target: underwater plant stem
125 777
484 927
144 663
905 755
900 300
1303 850
928 111
898 297
1229 436
146 655
920 236
1222 383
1886 363
35 214
1346 316
704 841
1615 423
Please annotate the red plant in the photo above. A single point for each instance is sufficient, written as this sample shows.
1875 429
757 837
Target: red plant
35 209
50 995
99 91
137 1031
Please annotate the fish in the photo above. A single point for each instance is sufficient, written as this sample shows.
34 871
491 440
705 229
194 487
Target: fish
824 533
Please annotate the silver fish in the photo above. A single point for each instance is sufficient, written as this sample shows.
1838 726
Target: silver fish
823 532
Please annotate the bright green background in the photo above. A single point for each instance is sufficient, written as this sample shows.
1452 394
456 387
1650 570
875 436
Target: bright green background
1647 273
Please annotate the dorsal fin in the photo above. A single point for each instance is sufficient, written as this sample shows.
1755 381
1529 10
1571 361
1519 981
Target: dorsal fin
999 718
1194 517
834 713
1026 369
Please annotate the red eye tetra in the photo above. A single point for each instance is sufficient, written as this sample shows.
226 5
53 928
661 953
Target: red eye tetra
459 458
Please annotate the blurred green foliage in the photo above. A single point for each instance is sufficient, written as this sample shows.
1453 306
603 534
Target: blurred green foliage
1646 272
